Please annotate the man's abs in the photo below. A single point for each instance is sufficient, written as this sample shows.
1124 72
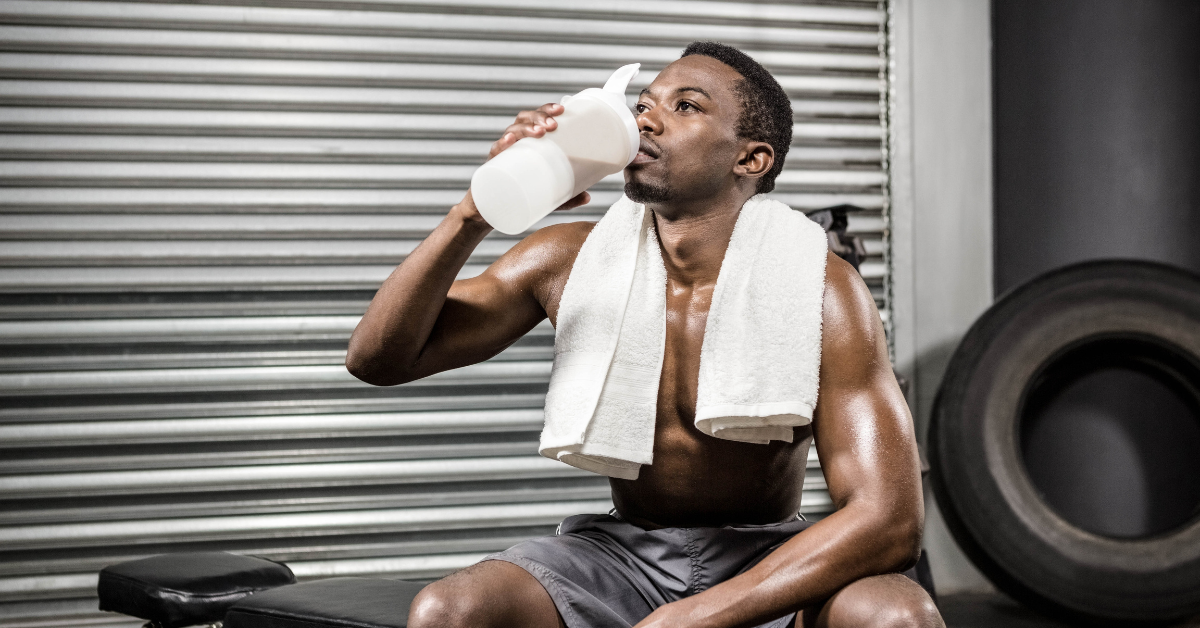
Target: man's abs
698 480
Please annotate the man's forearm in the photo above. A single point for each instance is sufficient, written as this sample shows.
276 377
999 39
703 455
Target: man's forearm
806 570
397 324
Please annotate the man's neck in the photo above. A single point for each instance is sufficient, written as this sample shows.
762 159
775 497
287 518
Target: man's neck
694 238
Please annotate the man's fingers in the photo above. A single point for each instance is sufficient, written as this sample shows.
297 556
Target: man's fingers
534 123
583 198
506 140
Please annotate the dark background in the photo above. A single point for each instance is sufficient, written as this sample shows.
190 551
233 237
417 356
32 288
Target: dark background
1097 133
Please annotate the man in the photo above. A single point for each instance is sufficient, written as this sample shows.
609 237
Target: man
715 127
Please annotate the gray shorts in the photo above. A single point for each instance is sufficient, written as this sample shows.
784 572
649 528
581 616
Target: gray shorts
602 571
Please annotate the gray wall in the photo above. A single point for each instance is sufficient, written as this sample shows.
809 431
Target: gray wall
1097 148
1097 133
941 212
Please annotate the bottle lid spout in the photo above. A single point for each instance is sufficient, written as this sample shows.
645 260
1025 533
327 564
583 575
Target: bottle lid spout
619 81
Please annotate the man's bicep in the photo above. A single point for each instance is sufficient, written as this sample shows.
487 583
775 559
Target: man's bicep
862 428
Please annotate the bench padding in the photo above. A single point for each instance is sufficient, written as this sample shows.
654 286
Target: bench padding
332 603
186 589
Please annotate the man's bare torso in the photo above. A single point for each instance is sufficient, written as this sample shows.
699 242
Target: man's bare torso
696 479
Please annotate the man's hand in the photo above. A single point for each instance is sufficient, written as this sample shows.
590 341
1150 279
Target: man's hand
536 123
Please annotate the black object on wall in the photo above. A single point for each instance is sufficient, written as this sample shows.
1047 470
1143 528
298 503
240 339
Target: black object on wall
1097 133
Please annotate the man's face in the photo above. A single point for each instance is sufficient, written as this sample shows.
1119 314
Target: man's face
688 119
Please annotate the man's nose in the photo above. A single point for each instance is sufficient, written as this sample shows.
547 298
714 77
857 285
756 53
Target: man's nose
649 122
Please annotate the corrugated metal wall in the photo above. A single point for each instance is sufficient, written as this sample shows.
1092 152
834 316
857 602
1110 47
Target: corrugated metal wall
198 201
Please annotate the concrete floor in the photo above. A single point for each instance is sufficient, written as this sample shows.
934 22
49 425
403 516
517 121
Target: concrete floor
994 610
990 610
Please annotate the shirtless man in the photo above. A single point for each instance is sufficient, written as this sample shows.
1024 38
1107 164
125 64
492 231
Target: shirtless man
709 143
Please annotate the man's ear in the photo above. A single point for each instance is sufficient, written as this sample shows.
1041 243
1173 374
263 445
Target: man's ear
755 160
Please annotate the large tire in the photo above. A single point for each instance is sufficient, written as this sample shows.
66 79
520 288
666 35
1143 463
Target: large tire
1143 313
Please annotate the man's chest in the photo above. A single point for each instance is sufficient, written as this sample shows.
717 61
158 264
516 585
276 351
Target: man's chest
686 316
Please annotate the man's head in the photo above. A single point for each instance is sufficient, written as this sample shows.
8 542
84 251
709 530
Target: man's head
712 120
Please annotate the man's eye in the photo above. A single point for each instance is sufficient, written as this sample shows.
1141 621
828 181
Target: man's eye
685 106
640 108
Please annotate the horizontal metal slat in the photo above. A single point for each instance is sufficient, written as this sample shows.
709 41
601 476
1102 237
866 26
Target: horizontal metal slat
265 122
293 149
295 277
125 199
222 252
324 523
400 567
258 328
193 359
37 512
51 357
251 378
177 457
345 124
248 174
298 97
176 148
317 98
215 329
323 277
774 12
258 477
185 200
326 403
257 174
268 427
176 42
258 226
108 306
166 253
361 73
234 18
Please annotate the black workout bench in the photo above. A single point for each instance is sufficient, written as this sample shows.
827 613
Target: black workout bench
205 588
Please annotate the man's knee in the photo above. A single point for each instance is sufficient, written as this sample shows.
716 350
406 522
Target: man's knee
438 605
491 594
891 601
911 612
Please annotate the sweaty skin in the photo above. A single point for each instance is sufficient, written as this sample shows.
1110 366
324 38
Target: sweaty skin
423 322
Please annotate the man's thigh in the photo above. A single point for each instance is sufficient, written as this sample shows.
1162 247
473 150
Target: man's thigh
491 594
887 601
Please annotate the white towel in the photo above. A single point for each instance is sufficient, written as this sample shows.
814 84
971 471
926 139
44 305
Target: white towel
759 361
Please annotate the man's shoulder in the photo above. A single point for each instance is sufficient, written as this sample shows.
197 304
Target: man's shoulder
546 254
567 235
840 276
554 247
849 312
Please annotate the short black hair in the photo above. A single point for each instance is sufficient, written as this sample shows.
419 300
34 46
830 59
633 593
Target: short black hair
766 109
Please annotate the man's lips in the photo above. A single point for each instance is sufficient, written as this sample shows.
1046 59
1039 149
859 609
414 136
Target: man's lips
646 153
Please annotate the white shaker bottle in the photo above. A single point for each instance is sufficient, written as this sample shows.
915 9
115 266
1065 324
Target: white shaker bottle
597 135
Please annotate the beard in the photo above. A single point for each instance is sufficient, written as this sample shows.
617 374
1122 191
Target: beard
642 192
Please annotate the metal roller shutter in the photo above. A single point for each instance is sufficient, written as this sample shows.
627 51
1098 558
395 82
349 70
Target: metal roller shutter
197 203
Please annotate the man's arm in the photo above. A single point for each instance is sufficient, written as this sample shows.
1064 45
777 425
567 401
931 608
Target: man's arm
422 321
865 439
